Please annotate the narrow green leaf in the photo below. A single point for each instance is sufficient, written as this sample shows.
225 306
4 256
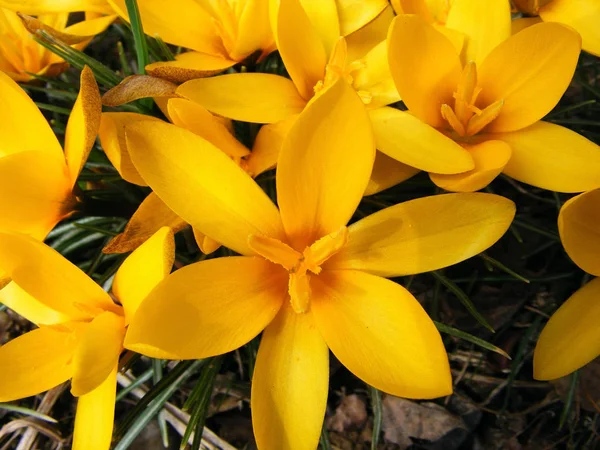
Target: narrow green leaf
157 373
375 395
569 400
53 108
26 411
470 338
135 384
502 267
141 46
464 299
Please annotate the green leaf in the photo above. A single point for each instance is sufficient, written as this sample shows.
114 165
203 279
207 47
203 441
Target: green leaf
141 46
470 338
26 411
375 395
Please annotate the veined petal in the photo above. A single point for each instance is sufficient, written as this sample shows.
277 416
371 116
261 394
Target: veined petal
191 116
189 66
254 30
184 23
95 416
35 362
151 216
407 139
381 333
97 352
425 67
404 240
367 37
579 227
324 166
48 277
149 264
486 24
208 308
22 125
290 383
197 171
582 15
571 338
552 157
83 124
248 97
490 158
305 58
26 306
388 172
267 145
355 14
135 87
35 192
53 6
114 144
530 72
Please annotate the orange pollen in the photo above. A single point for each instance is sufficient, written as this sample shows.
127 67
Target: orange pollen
465 118
300 266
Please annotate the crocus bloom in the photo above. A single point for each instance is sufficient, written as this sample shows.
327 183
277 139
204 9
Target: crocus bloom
490 111
81 329
305 278
582 15
571 338
20 54
218 33
153 214
36 176
36 7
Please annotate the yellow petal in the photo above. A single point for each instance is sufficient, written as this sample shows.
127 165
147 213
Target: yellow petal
197 170
552 157
381 333
150 217
367 37
490 158
35 362
388 172
95 416
248 97
524 22
90 27
112 140
323 16
530 71
135 87
375 79
205 244
290 383
425 67
26 306
208 308
305 58
571 338
583 15
184 23
149 264
267 145
579 227
97 352
404 240
418 7
188 66
191 116
485 24
83 124
22 125
254 30
407 139
324 166
48 277
34 25
53 6
355 14
35 192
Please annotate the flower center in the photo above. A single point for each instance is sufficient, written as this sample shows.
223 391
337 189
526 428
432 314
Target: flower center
465 118
338 67
300 266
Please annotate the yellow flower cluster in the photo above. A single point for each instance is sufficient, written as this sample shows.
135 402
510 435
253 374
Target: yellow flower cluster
475 85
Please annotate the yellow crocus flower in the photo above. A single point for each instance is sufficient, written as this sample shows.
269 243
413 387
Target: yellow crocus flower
304 277
582 15
21 56
490 111
571 338
36 7
81 329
